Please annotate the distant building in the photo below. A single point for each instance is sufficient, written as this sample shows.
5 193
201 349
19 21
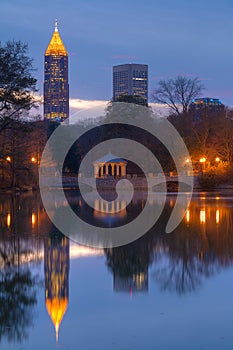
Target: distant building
199 106
56 87
130 79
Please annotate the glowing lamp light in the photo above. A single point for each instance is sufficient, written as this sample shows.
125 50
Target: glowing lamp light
203 160
8 159
33 159
217 159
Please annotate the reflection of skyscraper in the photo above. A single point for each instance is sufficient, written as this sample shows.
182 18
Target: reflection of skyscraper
56 266
129 265
56 87
130 79
138 282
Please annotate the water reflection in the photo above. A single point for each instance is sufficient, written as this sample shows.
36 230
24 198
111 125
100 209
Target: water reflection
129 266
17 299
19 284
180 262
56 269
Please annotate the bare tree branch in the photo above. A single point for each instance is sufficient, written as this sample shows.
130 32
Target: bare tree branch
177 93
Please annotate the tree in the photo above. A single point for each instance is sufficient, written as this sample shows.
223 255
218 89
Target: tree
17 83
177 93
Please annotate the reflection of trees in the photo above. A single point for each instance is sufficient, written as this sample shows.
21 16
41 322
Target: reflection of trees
17 300
195 251
181 274
184 259
18 285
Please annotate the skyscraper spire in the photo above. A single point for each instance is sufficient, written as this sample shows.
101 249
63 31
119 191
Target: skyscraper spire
56 25
56 46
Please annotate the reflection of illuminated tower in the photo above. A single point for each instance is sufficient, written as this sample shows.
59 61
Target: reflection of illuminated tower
56 265
56 87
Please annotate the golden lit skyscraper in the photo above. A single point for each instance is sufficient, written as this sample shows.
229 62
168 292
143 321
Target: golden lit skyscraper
56 87
56 267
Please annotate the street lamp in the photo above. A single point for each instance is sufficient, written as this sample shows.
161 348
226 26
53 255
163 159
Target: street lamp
34 160
203 161
217 159
8 159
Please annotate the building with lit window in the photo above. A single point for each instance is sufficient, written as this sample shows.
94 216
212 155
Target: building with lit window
56 87
130 79
199 107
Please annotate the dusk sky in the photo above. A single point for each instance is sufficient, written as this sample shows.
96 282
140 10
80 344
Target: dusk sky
171 36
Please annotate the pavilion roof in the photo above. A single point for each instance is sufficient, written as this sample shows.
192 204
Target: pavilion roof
110 158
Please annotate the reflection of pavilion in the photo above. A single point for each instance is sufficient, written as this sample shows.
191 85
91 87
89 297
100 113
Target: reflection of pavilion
56 266
110 165
110 213
114 207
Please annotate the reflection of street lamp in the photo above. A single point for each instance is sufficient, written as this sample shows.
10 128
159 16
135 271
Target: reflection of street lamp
33 219
8 220
188 166
203 161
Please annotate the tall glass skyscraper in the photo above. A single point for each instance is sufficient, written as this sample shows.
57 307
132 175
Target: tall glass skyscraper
130 79
56 87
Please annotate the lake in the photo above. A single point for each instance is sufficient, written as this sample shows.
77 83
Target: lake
164 291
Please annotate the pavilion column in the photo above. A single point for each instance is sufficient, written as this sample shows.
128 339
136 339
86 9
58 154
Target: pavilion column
106 167
117 170
102 171
123 170
96 171
113 171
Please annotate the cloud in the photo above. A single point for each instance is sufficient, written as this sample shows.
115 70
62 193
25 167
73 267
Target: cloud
78 104
84 110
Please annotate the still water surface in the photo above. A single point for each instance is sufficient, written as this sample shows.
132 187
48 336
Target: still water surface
161 292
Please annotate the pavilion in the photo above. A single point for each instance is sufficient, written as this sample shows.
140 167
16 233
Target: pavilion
110 165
